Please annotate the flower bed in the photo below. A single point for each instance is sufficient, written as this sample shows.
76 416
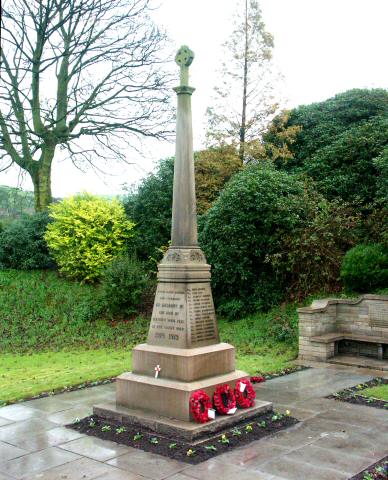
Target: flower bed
354 394
150 441
377 471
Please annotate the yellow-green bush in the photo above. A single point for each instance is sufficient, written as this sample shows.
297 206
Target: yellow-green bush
87 232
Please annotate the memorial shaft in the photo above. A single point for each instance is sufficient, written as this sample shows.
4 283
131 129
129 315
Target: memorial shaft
184 214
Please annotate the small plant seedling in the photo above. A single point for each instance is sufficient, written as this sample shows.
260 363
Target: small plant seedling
92 423
236 432
249 428
360 386
172 446
277 416
154 441
288 413
106 428
137 436
77 420
120 430
224 439
211 448
190 452
262 424
368 476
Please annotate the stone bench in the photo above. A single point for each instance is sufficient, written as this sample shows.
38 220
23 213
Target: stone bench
332 326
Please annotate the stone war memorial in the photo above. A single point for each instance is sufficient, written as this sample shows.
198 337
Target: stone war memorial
183 353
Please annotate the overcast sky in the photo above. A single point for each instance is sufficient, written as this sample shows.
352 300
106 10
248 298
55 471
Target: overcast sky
322 47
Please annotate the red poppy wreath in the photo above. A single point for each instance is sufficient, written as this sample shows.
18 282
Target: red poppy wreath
200 404
224 399
245 397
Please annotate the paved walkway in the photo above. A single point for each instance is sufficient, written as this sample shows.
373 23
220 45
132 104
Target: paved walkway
334 440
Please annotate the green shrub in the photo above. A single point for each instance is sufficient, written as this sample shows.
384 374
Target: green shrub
313 253
353 167
244 228
149 205
123 285
22 243
86 233
365 267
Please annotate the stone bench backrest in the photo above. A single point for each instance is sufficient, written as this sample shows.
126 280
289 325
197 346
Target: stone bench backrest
367 315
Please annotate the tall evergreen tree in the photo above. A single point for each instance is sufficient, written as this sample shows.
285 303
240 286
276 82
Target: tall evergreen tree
243 100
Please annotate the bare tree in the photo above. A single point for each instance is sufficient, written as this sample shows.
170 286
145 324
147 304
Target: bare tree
244 101
80 75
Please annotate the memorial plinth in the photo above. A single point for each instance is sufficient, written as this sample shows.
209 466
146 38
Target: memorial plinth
183 346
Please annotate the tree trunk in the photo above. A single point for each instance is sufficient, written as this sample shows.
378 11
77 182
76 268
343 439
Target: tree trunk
245 81
41 178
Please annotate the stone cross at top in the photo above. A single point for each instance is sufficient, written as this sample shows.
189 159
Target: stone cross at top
184 58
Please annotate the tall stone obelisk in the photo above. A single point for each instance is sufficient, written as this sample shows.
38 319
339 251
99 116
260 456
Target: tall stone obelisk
183 315
182 353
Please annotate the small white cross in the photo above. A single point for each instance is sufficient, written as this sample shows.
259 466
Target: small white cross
157 370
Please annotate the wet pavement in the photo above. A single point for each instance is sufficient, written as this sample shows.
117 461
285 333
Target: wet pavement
334 440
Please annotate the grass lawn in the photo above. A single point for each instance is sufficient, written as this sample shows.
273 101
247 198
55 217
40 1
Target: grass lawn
380 392
23 376
53 334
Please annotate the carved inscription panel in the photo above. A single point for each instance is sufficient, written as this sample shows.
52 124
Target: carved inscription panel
378 315
200 313
183 316
168 323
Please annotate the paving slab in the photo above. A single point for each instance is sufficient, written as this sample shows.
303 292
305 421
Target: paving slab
7 451
372 444
294 470
20 430
50 404
116 474
19 412
45 439
214 469
93 447
69 416
5 421
36 462
348 464
82 469
147 464
6 477
254 454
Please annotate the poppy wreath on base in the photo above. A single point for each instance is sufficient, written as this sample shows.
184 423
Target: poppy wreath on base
200 404
258 379
246 398
224 399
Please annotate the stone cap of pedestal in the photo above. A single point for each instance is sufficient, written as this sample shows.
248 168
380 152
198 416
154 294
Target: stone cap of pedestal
183 273
184 364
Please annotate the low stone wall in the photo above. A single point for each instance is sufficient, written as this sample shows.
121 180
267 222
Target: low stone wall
366 316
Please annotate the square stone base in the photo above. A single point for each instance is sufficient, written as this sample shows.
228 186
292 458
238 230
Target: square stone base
166 397
177 429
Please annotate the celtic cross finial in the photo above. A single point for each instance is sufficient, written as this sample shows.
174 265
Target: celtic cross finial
184 58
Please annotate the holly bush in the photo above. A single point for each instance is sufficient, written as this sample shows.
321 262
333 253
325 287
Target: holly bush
86 233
